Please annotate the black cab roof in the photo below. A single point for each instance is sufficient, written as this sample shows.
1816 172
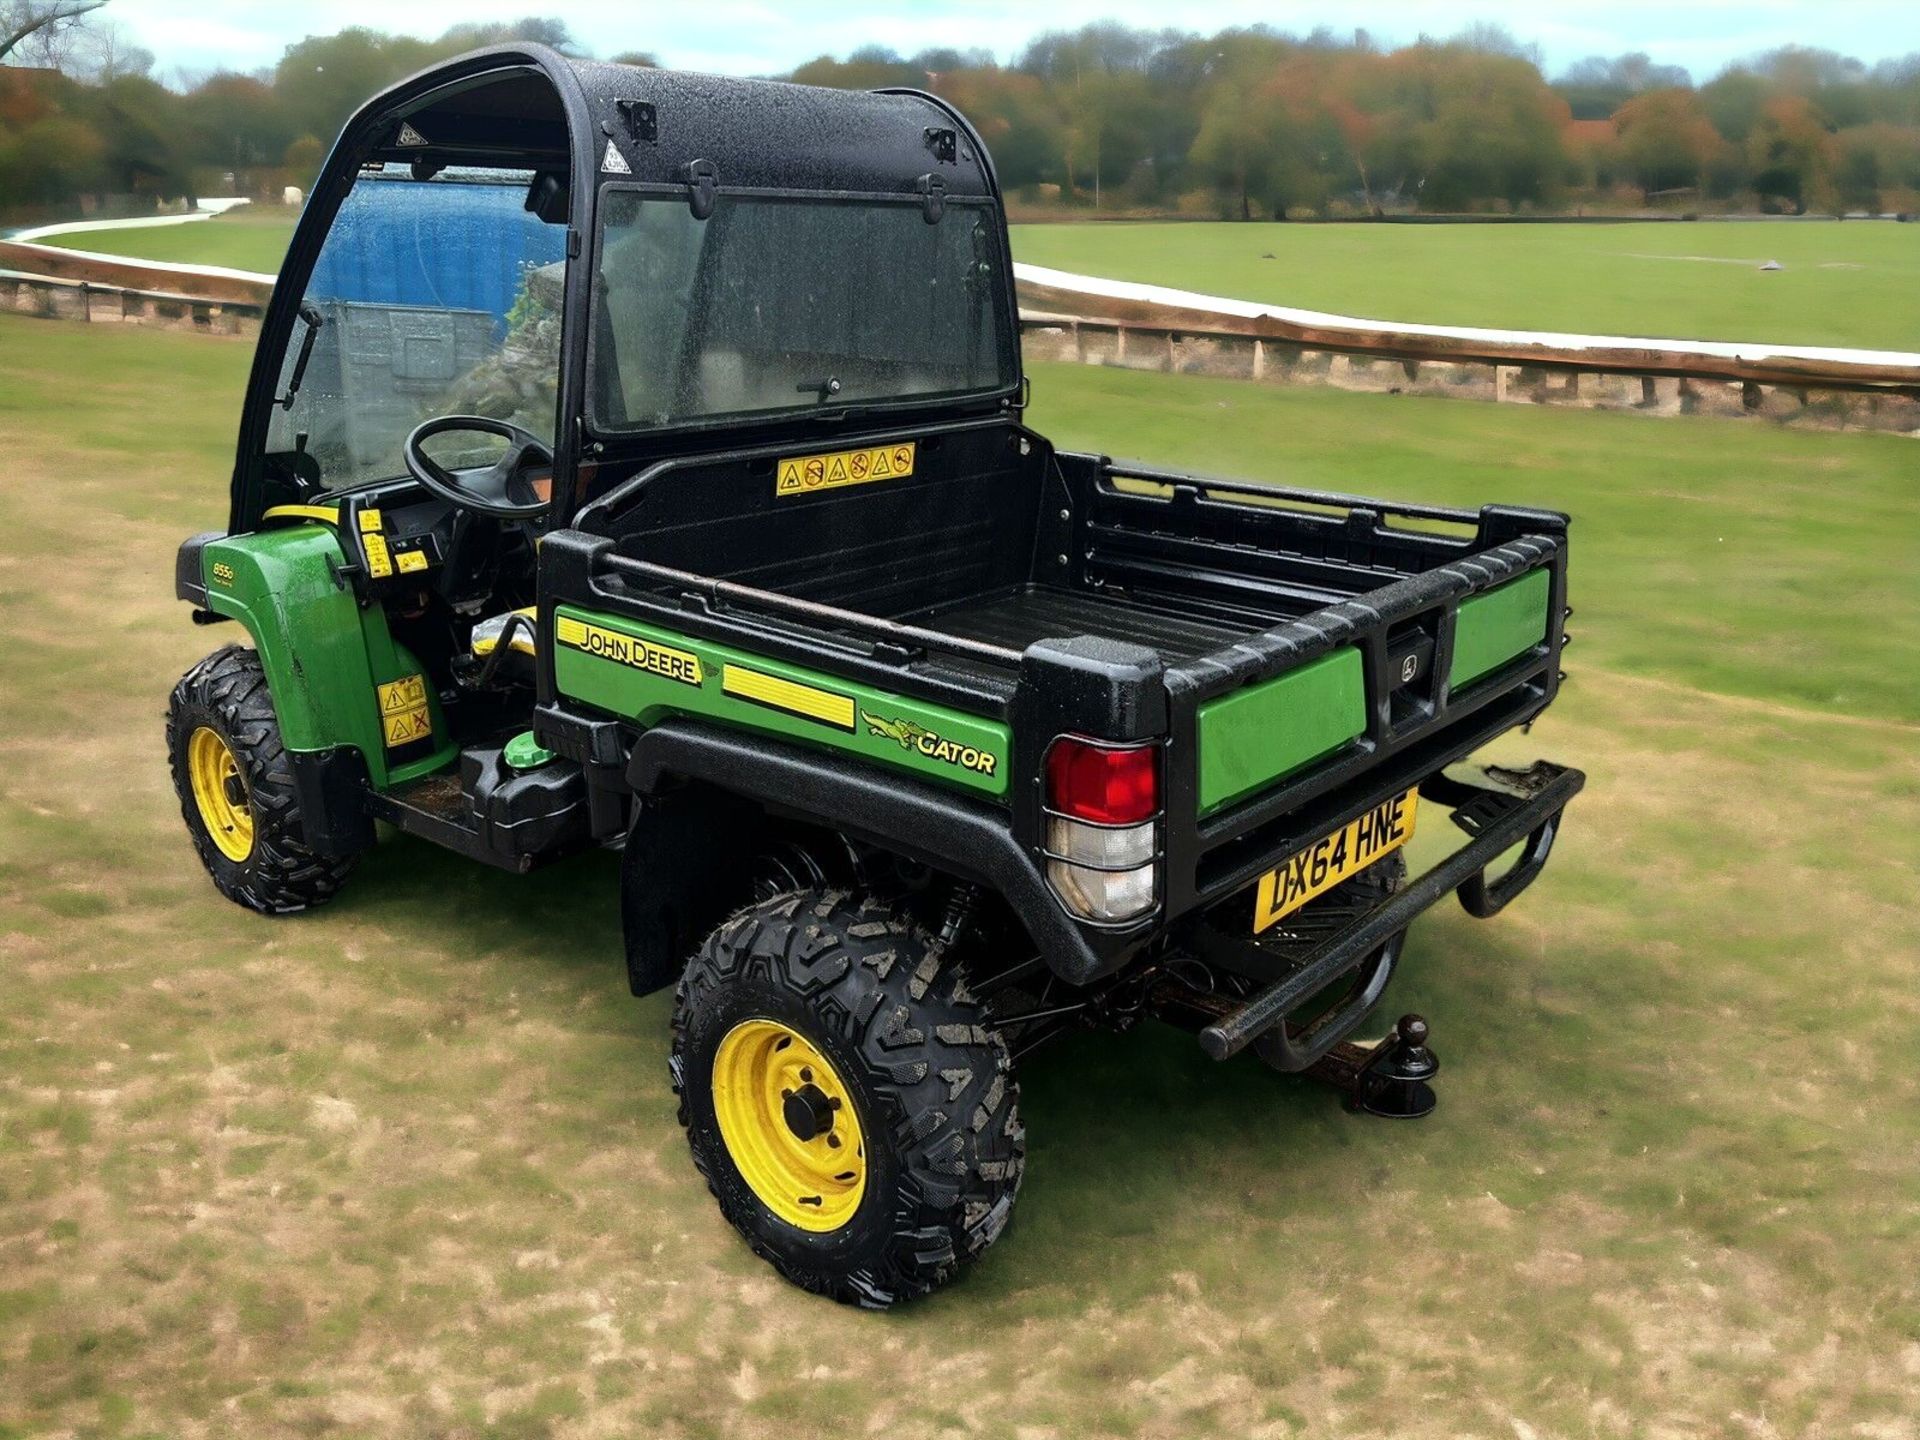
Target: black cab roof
598 134
655 126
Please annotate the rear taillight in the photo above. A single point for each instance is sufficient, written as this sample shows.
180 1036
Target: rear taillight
1107 784
1103 807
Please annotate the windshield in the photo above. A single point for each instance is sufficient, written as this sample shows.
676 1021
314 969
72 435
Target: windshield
433 297
777 304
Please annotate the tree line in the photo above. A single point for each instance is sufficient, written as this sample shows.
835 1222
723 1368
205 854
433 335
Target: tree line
1245 123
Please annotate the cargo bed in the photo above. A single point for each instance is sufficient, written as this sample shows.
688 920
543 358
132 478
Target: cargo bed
1021 616
1300 655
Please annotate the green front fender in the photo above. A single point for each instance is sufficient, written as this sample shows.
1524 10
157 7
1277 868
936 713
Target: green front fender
330 664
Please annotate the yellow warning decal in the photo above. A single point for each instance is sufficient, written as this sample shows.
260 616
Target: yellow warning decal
788 695
404 717
379 562
804 474
410 560
680 665
370 520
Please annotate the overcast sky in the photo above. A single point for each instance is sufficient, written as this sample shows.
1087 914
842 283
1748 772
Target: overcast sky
749 37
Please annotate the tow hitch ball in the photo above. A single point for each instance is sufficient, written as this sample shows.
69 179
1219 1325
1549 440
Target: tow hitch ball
1392 1079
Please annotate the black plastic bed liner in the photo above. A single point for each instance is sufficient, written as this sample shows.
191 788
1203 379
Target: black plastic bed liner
1016 618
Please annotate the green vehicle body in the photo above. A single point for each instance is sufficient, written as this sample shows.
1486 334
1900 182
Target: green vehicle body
749 692
652 474
326 656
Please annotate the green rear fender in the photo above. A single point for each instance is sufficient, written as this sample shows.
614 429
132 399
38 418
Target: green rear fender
648 674
336 674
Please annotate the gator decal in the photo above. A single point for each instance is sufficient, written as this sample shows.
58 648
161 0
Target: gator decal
912 735
803 474
748 691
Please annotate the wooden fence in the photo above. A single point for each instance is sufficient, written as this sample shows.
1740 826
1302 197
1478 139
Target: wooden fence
1103 322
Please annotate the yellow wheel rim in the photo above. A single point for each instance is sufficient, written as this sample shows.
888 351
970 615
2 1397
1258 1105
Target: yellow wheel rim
220 793
789 1123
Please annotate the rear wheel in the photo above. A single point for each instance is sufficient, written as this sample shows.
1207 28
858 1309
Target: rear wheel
842 1093
236 788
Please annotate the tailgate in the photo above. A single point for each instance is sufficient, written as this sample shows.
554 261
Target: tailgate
1303 728
1266 731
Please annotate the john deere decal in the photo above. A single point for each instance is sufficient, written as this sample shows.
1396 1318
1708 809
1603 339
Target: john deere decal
912 735
681 665
804 474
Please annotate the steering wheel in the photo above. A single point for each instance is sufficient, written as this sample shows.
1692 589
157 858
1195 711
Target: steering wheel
497 490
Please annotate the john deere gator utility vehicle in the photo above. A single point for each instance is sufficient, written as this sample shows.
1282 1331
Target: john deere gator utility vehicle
636 460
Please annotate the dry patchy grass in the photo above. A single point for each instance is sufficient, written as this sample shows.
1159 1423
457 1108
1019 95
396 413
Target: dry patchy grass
408 1165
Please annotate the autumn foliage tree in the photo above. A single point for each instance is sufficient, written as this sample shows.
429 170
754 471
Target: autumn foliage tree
1790 151
1666 140
1249 122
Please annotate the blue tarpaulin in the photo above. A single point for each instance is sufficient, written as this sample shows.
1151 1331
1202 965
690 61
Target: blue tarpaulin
464 247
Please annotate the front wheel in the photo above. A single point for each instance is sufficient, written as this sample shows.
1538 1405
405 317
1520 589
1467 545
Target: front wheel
851 1109
236 788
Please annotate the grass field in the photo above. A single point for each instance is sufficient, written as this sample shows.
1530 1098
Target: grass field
1844 284
1855 285
408 1165
240 239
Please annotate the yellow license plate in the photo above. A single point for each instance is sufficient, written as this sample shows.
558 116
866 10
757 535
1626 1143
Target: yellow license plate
1333 858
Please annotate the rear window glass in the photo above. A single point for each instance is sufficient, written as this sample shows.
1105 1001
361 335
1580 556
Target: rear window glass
776 304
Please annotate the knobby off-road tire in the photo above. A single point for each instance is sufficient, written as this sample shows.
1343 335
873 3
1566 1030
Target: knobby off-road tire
858 985
255 850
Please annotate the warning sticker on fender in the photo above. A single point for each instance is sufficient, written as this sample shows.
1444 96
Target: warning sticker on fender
804 474
404 717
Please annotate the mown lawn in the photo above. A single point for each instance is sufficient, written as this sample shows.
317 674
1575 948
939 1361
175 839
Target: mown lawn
242 239
408 1165
1852 284
1844 284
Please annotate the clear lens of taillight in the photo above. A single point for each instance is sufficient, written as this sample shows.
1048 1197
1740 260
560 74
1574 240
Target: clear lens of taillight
1120 847
1103 868
1104 895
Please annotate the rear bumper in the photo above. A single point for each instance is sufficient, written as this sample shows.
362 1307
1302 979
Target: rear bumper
1501 810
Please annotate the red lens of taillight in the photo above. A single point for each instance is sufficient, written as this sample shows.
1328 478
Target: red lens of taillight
1102 783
